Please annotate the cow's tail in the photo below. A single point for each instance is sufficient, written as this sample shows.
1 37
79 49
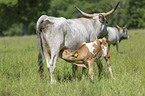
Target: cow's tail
38 31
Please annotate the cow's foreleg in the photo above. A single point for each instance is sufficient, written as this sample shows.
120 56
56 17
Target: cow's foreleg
117 47
100 67
74 68
83 72
109 47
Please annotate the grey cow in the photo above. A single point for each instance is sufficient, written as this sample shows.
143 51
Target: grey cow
55 33
115 35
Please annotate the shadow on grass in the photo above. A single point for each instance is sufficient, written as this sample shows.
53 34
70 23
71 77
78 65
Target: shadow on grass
67 78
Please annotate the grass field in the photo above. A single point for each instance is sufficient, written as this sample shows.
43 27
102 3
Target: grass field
19 71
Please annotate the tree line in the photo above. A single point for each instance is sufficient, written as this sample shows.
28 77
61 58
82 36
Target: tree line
19 17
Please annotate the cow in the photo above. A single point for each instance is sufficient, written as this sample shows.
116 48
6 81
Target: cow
55 33
87 53
115 35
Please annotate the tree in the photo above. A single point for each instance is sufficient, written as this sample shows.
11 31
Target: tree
29 10
22 12
136 14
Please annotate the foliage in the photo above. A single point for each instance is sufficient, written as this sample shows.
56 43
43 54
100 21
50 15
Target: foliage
15 30
136 12
26 12
19 71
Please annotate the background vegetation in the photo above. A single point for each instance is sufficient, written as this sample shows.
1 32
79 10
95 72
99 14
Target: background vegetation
19 71
18 17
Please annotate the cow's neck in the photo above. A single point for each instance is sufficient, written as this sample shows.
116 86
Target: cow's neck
120 36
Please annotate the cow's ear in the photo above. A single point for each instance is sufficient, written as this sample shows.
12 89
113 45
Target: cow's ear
75 54
125 26
118 26
101 18
123 30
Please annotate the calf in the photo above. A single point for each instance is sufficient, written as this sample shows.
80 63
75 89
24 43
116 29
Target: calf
116 35
87 53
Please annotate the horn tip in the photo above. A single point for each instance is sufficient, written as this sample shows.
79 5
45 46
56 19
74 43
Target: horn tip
116 5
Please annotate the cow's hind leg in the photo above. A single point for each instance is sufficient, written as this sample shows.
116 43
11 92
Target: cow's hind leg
52 65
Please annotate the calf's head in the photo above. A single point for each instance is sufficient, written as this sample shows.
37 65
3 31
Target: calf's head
69 55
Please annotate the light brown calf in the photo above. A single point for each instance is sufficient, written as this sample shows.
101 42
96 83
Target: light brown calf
87 53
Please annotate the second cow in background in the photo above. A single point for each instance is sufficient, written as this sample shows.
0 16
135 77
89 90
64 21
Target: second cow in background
115 35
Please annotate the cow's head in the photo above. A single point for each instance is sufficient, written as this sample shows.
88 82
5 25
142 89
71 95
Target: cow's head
123 32
101 21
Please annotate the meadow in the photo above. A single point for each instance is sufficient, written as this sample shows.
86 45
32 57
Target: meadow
19 71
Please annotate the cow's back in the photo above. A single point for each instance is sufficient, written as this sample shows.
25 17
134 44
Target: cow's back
113 33
81 30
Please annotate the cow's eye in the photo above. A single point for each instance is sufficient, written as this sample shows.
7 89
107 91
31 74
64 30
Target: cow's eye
123 30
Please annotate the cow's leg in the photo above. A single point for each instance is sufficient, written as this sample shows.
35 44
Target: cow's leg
109 47
52 65
117 47
74 68
83 72
100 67
90 64
46 53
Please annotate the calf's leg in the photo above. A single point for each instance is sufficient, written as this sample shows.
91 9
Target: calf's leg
90 64
109 67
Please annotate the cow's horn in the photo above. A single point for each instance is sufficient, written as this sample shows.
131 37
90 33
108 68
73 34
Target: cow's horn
118 26
85 14
110 12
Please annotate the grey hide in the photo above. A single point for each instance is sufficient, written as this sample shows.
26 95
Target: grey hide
115 35
56 33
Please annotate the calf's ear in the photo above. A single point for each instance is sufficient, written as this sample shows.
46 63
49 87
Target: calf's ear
66 51
75 54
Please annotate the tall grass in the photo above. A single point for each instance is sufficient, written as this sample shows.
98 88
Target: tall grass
19 71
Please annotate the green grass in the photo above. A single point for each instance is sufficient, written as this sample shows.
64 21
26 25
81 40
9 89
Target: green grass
19 71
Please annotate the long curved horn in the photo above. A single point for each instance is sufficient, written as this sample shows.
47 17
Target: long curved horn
85 14
110 12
